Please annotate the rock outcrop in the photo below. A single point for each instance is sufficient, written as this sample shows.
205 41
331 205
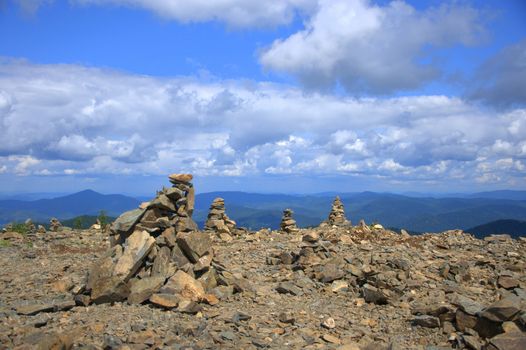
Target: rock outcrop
155 250
219 222
288 224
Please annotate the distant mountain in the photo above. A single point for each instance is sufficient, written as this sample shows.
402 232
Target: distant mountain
255 211
503 194
392 210
30 196
514 228
82 203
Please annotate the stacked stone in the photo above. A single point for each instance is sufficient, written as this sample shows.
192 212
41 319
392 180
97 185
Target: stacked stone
30 226
288 224
54 225
337 214
218 222
156 255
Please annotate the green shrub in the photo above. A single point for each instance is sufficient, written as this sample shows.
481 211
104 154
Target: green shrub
77 224
20 227
103 218
4 243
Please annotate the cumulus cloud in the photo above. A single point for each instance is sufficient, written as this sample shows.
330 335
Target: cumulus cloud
71 120
500 80
369 48
235 13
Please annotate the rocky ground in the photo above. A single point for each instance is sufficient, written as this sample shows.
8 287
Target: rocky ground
324 288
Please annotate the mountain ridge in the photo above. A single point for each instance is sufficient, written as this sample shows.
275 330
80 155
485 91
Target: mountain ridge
258 210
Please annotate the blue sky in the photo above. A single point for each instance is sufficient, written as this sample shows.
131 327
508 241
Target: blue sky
275 96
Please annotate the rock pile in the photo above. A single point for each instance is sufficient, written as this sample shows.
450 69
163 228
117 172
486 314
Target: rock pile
156 255
288 224
218 222
54 225
340 287
30 227
388 276
337 214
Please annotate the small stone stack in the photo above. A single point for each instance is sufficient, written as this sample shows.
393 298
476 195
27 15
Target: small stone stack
337 214
156 254
54 225
288 224
30 226
218 222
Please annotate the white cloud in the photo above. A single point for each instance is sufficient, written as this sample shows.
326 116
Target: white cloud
116 123
371 48
235 13
23 164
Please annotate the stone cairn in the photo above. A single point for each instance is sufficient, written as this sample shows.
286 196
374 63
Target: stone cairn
218 222
156 255
54 225
288 224
337 214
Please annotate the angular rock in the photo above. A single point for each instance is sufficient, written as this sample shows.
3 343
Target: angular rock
136 248
330 272
126 221
178 257
188 306
162 264
194 244
167 301
190 204
426 321
372 294
288 288
466 304
33 309
507 282
502 310
508 341
103 286
164 203
184 285
180 178
142 289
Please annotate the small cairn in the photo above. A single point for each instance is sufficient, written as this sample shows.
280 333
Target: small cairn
288 224
30 226
218 222
337 214
41 229
54 225
156 255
